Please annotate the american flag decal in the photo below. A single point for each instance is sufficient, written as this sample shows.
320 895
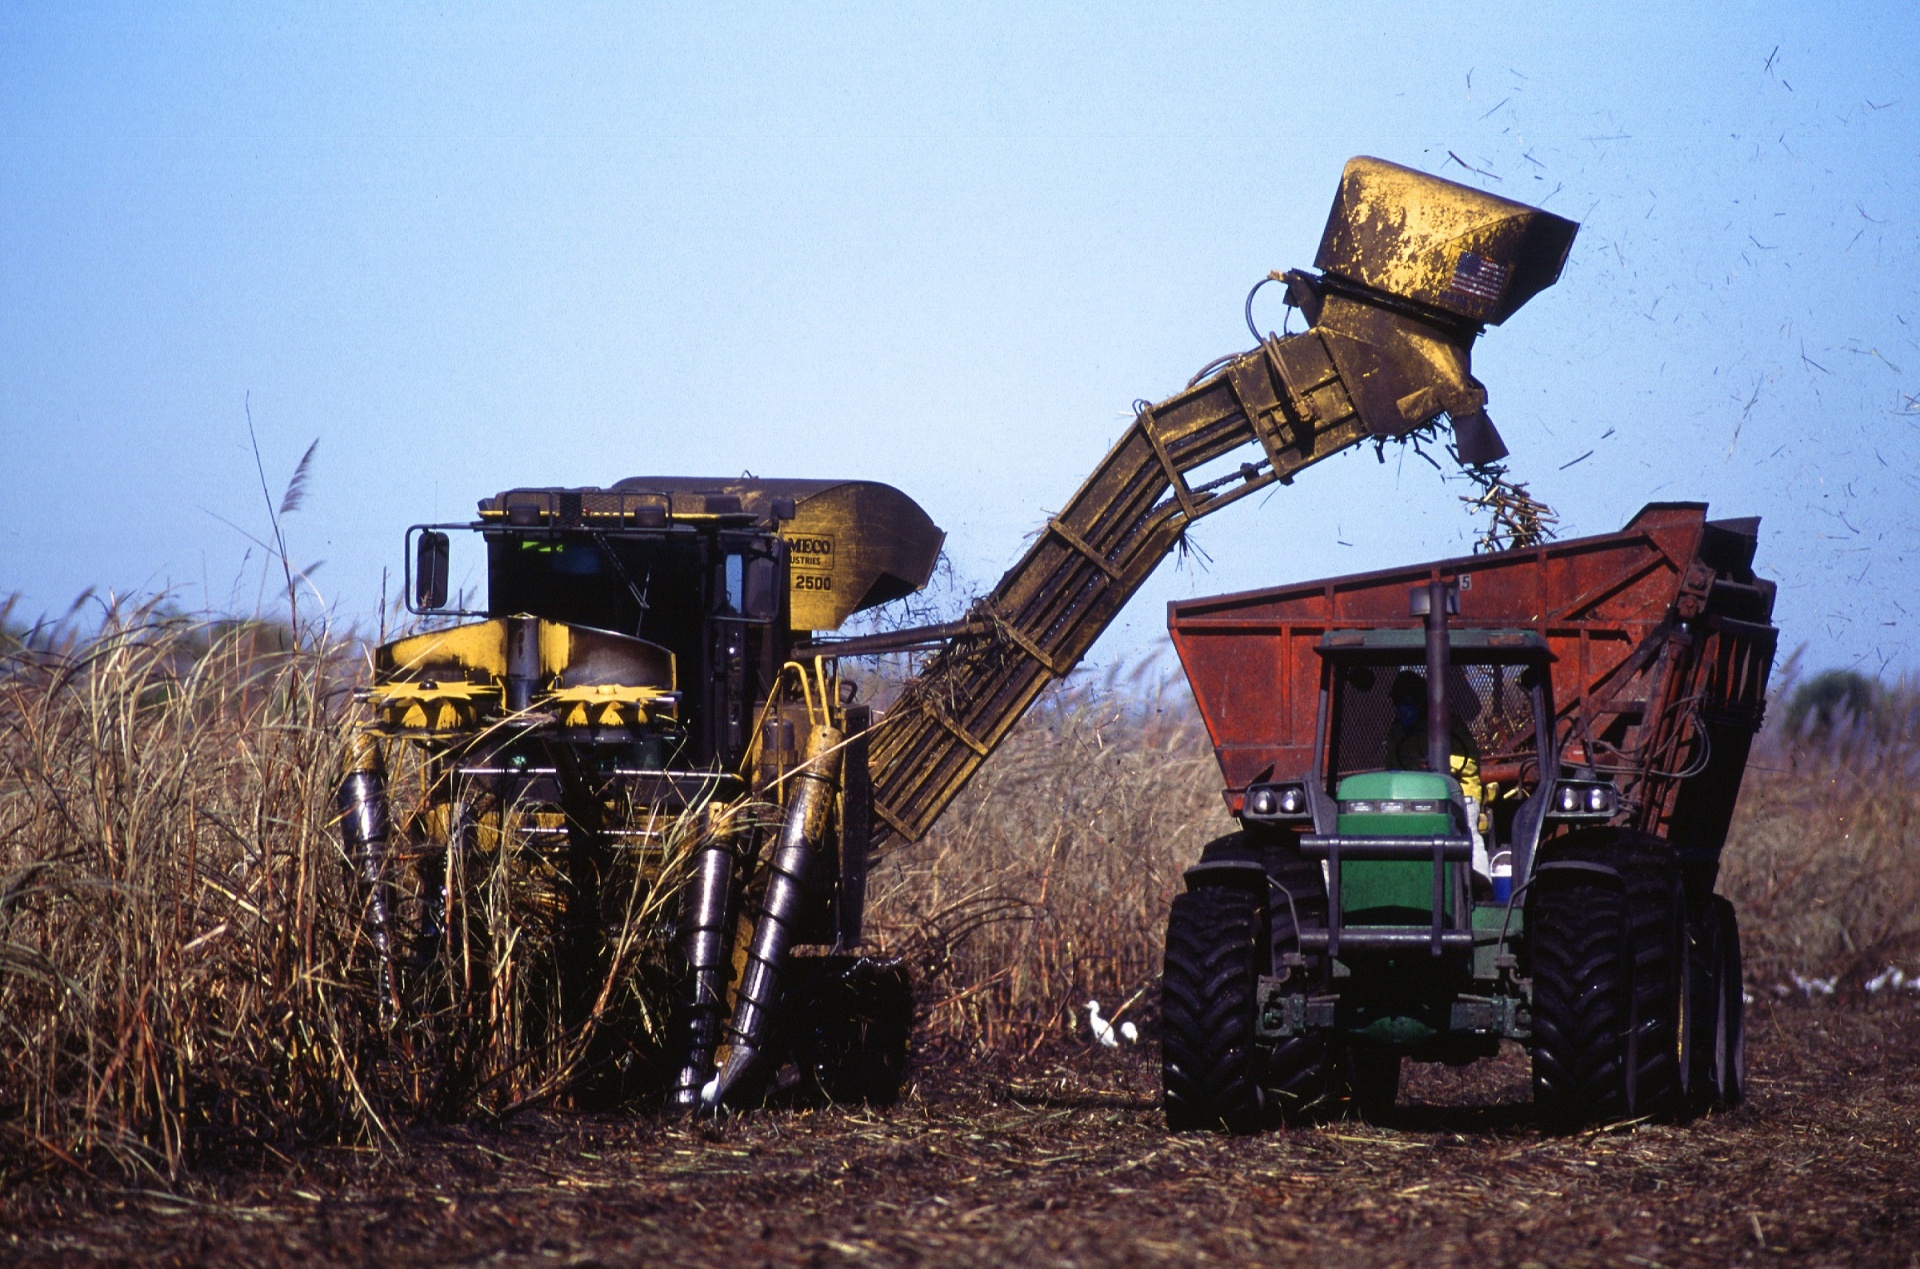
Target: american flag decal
1478 277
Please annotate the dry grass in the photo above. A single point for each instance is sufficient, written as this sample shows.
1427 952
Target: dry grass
1047 882
1823 861
170 918
182 973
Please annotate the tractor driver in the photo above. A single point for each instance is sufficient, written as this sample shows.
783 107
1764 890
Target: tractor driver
1407 751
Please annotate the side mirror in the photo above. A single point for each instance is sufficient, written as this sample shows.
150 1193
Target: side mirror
760 599
430 570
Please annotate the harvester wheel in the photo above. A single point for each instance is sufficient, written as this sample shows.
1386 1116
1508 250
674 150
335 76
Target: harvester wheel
1609 960
1216 952
851 1021
1716 998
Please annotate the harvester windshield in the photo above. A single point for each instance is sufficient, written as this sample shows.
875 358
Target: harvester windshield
658 586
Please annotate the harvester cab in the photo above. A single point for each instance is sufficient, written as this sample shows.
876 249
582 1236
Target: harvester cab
1459 830
685 595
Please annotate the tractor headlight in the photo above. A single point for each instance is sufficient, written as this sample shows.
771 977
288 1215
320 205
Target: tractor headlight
1394 806
1583 800
1276 802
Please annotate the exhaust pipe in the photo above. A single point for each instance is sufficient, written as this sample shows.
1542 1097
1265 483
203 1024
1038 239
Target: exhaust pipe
1435 603
809 811
1439 665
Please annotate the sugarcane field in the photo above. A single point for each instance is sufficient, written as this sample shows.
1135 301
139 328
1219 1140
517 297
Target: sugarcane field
443 830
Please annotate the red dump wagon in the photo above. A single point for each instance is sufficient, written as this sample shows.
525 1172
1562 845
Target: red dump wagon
1553 737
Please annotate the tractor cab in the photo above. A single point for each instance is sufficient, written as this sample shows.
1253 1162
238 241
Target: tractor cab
1375 777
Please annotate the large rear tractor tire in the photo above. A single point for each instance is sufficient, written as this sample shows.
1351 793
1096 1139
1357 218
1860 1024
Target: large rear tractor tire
1609 972
1716 996
1211 1067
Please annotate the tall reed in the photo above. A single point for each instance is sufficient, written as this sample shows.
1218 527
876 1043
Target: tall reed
1046 884
168 914
1823 862
183 971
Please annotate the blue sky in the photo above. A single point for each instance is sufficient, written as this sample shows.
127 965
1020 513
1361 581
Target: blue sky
470 247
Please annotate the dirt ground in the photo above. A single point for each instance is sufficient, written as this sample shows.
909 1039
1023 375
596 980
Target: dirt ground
1062 1160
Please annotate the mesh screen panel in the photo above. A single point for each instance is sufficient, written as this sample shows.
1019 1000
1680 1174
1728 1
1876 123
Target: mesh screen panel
1363 712
1489 699
1502 723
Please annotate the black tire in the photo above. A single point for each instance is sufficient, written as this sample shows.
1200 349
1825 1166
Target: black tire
1608 959
1716 999
1301 1072
1297 888
1210 1066
1300 1068
1373 1078
1705 1003
849 1020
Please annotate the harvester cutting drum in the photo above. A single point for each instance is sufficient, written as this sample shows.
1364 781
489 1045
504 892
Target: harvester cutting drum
664 648
1589 706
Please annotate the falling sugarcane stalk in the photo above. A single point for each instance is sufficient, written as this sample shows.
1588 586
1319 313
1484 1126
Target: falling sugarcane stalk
1519 519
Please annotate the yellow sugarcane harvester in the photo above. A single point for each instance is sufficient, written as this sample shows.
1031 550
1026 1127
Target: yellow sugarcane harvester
663 645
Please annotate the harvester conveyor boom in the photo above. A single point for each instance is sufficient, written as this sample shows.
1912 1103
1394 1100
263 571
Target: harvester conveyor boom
1411 269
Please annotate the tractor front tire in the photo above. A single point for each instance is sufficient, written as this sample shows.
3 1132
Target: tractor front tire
1609 973
1301 1071
1211 1067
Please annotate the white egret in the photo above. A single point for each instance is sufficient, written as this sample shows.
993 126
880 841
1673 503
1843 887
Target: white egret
1105 1032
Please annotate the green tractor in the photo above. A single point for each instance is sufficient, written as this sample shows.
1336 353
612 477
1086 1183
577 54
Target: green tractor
1464 830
